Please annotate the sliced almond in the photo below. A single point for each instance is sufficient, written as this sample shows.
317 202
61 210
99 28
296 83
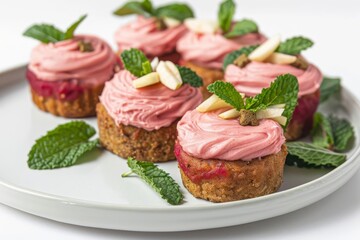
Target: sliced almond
281 120
265 50
230 114
282 105
169 75
212 103
171 22
280 58
269 113
201 26
147 80
154 63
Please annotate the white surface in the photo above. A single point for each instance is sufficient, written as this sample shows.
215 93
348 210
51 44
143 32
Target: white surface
94 194
333 25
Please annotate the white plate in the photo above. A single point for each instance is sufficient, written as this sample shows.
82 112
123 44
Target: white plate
94 194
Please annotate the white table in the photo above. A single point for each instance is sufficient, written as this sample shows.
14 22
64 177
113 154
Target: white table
333 25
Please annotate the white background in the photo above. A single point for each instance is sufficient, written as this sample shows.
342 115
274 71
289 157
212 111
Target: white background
333 25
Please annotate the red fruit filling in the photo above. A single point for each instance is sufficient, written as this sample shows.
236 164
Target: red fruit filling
198 169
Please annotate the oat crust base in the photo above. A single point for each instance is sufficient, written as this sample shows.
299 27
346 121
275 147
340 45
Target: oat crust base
129 141
244 179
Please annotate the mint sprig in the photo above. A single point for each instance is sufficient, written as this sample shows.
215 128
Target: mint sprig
321 133
178 11
62 146
284 90
329 87
342 131
46 33
242 27
188 76
227 92
144 8
158 179
331 132
230 57
136 62
311 156
225 14
294 46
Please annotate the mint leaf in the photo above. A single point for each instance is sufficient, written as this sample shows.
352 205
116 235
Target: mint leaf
294 46
45 33
329 87
178 11
143 8
342 131
225 14
136 62
70 31
242 27
190 77
227 92
158 179
284 89
230 58
62 146
321 133
308 155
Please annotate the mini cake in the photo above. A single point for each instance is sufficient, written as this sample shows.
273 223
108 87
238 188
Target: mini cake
204 47
252 69
155 31
67 73
227 155
139 110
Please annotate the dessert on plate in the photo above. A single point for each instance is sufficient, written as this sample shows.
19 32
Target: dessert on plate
230 149
204 47
253 68
67 72
140 107
155 31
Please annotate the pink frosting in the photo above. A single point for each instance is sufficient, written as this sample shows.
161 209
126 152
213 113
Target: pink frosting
255 76
63 61
149 108
206 136
144 35
209 50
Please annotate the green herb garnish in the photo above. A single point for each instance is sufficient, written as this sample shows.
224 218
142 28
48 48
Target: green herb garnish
284 90
331 132
62 146
136 62
225 14
311 156
48 33
178 11
294 46
227 92
158 179
242 27
321 133
188 76
230 58
329 87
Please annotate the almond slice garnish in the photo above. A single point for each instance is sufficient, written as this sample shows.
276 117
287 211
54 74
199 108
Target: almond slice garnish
147 80
280 58
212 103
265 50
201 26
169 74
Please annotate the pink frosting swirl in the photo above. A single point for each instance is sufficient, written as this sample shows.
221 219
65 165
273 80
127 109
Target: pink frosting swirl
209 50
63 61
255 76
149 108
144 35
206 136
